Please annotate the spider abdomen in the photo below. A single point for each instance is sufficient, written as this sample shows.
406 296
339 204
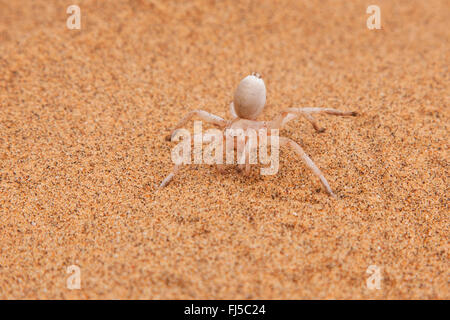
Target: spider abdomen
250 97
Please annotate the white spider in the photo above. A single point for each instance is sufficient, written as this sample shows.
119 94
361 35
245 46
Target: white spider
248 103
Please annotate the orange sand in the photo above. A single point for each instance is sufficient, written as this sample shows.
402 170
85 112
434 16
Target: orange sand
83 116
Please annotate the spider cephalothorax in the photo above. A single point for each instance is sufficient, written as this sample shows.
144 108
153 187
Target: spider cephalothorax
248 103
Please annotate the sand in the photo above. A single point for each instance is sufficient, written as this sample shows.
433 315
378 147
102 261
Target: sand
84 113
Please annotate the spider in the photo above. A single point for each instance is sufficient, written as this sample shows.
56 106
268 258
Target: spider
248 103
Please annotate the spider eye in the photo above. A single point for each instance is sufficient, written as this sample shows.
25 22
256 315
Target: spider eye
256 74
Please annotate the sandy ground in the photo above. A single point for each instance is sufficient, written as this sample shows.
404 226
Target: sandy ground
84 113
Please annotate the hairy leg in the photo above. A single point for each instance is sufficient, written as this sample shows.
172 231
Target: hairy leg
232 111
284 117
169 178
311 165
203 115
292 113
245 167
328 111
251 151
221 166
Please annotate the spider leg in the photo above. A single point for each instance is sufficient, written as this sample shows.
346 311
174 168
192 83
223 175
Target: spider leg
175 170
309 163
241 152
292 113
245 167
247 164
232 111
284 117
221 166
328 111
169 178
249 151
203 115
